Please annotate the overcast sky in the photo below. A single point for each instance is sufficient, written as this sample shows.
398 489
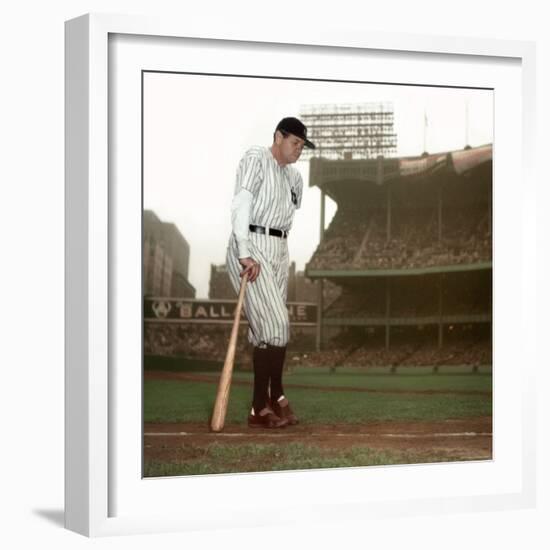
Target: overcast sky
196 128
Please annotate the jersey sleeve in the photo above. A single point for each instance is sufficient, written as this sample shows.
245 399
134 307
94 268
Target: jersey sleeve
240 219
249 173
298 189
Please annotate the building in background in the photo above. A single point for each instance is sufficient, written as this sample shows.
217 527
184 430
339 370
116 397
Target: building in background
220 287
157 269
300 288
165 259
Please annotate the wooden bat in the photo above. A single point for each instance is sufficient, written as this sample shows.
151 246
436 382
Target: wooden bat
222 397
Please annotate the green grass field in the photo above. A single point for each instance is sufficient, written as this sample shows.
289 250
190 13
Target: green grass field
412 379
186 401
329 398
222 458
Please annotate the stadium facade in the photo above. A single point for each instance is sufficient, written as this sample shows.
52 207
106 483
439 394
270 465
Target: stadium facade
410 246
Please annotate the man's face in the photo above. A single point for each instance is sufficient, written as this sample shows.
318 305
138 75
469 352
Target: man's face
290 147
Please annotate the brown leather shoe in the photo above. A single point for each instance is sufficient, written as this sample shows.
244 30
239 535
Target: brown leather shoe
266 418
282 410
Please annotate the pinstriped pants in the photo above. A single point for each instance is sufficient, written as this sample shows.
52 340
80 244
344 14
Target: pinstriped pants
265 298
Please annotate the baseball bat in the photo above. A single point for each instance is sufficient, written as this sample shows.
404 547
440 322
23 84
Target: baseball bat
222 397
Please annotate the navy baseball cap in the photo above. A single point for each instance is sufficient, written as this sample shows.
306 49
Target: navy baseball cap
291 125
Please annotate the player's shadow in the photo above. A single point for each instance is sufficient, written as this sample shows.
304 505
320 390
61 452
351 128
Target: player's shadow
57 517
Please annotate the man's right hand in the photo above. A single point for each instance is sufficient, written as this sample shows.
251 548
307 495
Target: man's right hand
251 267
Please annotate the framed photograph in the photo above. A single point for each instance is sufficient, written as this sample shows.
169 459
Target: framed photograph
410 361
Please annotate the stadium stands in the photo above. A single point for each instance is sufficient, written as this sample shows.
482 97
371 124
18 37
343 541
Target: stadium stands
410 246
193 341
358 240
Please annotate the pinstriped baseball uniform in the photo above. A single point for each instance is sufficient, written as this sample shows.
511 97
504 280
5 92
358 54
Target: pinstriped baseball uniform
276 194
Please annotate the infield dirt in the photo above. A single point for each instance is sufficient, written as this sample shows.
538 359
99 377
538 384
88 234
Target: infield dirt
178 448
463 439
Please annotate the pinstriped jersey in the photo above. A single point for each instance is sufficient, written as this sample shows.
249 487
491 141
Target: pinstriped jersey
277 190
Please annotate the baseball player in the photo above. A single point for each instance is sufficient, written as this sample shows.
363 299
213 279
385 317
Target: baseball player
268 190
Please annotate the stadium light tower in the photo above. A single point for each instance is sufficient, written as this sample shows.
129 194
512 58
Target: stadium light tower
350 131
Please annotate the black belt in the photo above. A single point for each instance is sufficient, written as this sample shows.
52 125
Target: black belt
272 232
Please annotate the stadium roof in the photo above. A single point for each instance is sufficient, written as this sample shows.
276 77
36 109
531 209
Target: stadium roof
459 161
380 170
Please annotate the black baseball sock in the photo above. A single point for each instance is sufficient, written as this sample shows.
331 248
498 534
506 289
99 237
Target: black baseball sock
277 360
261 378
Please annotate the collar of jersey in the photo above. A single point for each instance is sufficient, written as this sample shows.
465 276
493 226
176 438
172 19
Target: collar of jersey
273 159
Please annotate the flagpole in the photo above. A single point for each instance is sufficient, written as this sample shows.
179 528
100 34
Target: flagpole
425 130
467 126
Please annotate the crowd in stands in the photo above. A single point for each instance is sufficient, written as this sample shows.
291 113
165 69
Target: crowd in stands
359 239
400 355
461 294
210 342
194 341
353 347
341 241
357 304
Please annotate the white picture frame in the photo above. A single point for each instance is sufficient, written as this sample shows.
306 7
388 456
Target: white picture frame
93 484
